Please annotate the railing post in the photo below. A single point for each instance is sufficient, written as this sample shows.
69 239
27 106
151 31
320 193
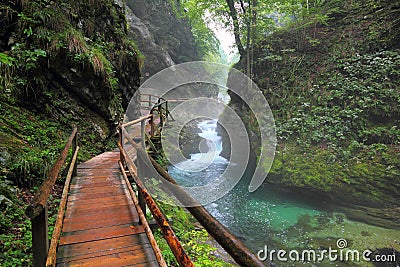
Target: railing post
160 113
74 146
152 127
121 141
141 173
143 133
40 239
149 101
166 110
142 201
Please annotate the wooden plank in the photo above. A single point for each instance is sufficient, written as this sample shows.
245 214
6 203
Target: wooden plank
96 176
122 255
89 184
101 184
101 222
145 264
96 246
94 205
96 222
113 260
90 211
110 216
96 189
89 201
93 194
84 216
100 233
107 169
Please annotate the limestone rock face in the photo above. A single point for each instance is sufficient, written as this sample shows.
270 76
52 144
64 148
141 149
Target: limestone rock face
162 38
87 60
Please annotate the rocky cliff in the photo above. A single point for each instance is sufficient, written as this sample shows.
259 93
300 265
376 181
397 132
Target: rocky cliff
61 64
333 88
163 37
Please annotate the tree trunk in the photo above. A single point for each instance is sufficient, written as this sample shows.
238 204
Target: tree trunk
248 41
236 29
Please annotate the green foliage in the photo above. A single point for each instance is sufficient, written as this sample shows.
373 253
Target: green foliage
344 125
7 60
331 78
195 12
49 31
195 241
7 65
199 250
255 19
345 103
16 250
35 114
27 59
32 153
15 235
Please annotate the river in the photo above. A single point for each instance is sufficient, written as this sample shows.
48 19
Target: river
270 219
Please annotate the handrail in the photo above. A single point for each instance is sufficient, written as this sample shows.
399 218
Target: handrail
137 120
51 255
148 100
143 220
37 210
239 252
176 100
158 107
39 201
169 235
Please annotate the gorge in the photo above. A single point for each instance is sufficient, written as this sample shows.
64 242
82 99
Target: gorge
329 71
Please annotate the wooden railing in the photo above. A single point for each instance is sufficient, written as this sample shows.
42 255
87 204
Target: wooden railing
159 111
147 101
239 252
235 248
37 210
145 199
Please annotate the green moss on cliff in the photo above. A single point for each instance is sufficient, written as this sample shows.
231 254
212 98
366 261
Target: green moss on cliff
334 91
62 63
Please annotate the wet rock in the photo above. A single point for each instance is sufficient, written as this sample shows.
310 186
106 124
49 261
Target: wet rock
162 37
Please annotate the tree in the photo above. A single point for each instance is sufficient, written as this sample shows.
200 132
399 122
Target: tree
235 23
251 20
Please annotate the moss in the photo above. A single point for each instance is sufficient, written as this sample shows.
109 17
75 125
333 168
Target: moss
364 180
333 89
193 238
30 143
311 169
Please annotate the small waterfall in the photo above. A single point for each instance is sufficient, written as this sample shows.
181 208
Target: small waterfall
210 149
281 220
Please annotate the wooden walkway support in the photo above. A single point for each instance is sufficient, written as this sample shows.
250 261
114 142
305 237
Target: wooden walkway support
101 225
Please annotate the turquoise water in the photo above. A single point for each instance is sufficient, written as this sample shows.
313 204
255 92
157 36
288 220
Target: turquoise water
282 220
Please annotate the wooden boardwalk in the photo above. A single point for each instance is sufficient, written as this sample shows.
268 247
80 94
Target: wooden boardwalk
101 225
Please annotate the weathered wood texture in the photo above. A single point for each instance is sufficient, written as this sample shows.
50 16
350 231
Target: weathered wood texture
37 210
168 233
101 225
52 253
239 252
